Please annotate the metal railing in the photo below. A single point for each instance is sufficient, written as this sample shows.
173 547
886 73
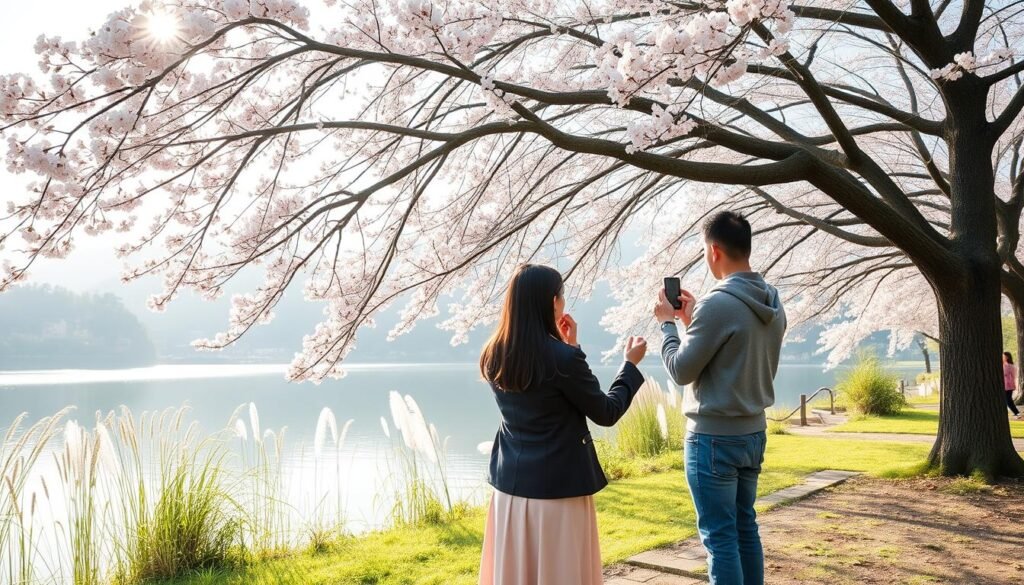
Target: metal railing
804 401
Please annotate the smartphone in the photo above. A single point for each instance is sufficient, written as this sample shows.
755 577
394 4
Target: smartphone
672 291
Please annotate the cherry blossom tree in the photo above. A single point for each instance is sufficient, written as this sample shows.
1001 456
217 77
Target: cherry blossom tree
413 150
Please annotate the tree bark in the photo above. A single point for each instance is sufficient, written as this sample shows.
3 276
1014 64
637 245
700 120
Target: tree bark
974 431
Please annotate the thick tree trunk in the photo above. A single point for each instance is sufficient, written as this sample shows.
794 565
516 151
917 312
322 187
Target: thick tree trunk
974 431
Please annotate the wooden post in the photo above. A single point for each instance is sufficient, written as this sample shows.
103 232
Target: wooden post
903 388
803 410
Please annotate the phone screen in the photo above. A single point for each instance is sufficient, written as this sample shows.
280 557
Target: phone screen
672 290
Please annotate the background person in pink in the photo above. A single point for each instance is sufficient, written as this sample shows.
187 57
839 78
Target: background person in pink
1010 383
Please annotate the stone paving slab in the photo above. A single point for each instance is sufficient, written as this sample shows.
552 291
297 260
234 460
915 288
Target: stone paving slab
661 579
812 484
688 559
634 575
667 560
827 418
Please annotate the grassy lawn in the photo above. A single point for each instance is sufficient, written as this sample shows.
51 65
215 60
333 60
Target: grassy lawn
635 514
933 398
911 421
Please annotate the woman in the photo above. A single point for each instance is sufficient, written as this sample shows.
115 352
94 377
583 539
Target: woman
542 525
1010 382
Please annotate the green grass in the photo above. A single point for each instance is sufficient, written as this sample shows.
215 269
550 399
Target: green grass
930 399
911 421
634 515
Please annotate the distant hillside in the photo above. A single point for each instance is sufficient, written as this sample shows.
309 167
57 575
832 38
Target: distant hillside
47 327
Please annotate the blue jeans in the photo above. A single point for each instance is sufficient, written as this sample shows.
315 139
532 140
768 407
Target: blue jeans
722 474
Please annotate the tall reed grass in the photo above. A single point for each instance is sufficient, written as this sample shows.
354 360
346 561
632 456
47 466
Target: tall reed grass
178 514
134 500
654 422
419 475
21 449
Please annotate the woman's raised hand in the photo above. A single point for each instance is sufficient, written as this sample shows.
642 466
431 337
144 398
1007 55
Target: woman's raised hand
636 349
567 327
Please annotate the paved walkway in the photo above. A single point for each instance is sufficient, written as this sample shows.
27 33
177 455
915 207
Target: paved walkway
685 563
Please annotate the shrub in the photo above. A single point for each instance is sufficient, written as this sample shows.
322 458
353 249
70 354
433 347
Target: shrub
653 424
926 377
869 389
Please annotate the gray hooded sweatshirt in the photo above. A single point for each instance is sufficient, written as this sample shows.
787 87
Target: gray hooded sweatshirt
728 356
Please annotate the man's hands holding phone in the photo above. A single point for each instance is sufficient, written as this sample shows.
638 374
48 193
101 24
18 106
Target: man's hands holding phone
664 311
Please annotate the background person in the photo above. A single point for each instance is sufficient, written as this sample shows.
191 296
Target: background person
1010 382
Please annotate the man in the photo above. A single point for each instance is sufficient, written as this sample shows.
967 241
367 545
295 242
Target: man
728 356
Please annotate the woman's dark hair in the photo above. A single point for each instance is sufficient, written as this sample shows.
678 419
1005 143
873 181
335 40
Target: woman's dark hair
1009 357
513 358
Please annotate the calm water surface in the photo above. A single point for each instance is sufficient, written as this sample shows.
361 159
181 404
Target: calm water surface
451 396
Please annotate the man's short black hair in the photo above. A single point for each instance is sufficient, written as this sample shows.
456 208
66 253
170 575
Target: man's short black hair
731 231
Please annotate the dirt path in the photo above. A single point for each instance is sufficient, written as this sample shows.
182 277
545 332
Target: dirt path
870 531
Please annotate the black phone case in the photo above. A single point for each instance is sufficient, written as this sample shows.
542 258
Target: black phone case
672 291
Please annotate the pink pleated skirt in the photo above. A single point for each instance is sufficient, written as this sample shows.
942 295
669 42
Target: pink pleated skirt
541 542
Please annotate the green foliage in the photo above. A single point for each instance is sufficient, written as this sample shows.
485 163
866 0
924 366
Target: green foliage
869 389
926 377
643 432
418 504
176 513
776 426
618 466
190 527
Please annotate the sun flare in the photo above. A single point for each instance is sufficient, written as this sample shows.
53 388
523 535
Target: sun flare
162 27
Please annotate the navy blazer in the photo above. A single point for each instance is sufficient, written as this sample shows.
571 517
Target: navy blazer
543 448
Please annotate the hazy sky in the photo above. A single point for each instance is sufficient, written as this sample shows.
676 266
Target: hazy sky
93 265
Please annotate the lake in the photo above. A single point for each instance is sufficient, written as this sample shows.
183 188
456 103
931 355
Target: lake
451 396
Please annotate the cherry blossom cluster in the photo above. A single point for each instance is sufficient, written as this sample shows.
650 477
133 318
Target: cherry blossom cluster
661 125
461 28
967 63
238 145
